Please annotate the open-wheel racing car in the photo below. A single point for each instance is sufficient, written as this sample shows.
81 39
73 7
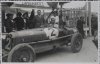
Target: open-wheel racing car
22 46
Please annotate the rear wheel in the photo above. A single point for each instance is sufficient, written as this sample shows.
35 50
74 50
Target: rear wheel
21 53
76 42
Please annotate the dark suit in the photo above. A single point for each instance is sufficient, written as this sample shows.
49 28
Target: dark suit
19 23
31 23
39 21
8 25
80 27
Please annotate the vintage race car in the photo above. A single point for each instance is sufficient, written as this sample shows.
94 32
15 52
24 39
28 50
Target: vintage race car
22 46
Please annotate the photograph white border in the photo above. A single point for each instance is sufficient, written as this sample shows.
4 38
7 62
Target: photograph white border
54 62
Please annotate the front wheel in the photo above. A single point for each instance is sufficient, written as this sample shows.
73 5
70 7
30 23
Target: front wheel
21 53
76 42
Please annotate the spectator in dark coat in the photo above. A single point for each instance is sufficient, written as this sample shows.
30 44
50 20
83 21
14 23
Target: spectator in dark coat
32 21
39 19
79 26
26 20
19 22
8 23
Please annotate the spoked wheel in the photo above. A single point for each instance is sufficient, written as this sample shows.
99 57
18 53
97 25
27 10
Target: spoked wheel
21 53
76 43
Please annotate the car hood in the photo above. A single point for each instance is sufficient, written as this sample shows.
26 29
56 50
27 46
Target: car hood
27 32
27 36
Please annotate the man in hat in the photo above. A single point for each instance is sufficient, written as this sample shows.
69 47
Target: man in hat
19 22
8 23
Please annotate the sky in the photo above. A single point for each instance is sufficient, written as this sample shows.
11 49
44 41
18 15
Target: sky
77 4
95 6
74 4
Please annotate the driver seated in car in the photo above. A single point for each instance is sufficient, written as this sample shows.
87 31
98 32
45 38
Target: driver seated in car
52 31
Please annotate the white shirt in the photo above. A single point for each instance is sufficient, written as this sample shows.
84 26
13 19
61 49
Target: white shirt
51 32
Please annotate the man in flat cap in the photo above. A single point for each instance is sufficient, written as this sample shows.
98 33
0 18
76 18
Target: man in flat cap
8 23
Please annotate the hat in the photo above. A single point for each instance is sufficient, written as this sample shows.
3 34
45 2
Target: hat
9 14
26 13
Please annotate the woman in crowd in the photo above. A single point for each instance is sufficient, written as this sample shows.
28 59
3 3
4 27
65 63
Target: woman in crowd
26 20
32 21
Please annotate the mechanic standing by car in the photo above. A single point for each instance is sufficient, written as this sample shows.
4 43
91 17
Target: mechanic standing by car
19 22
79 26
8 23
56 18
40 21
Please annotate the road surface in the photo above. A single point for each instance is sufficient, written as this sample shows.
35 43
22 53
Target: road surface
88 54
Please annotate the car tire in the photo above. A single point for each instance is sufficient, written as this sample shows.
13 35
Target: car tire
22 53
76 43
